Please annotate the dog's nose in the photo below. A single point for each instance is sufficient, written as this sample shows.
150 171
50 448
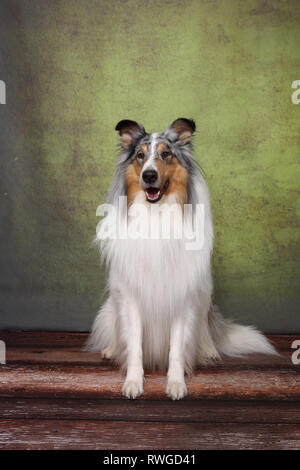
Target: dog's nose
150 176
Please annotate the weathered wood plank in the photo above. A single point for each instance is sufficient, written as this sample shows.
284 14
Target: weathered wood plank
151 410
105 382
69 434
41 339
74 356
283 341
66 355
54 396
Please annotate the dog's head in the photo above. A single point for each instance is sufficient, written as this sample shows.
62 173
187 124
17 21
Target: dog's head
158 163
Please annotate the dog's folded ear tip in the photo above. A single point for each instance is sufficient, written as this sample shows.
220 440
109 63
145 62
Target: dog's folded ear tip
192 124
128 131
127 123
184 128
118 126
188 122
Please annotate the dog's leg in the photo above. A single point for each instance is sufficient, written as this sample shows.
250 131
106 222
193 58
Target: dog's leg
207 352
176 387
110 323
131 325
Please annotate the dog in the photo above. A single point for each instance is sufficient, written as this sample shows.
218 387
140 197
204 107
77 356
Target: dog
159 312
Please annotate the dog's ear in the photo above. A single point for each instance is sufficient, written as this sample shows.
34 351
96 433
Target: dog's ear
184 128
129 130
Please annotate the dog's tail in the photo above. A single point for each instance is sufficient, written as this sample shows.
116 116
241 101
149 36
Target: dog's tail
232 339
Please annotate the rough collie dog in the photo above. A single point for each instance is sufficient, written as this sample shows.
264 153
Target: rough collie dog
159 313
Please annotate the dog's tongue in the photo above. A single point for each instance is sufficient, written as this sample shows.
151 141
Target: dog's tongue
153 193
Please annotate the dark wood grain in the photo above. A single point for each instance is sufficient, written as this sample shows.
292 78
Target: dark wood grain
75 356
49 339
53 355
72 434
106 382
43 339
201 411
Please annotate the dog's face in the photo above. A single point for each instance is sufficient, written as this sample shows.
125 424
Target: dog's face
153 161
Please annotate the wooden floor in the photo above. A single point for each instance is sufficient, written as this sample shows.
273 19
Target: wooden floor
53 396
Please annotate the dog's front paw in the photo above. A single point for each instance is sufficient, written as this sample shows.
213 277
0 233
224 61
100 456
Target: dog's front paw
107 353
132 388
176 389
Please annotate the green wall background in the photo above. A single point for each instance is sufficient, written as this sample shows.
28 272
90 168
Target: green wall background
73 69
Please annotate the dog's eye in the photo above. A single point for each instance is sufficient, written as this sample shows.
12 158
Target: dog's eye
141 155
165 154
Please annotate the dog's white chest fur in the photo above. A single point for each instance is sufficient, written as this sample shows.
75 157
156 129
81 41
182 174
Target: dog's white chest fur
152 263
154 266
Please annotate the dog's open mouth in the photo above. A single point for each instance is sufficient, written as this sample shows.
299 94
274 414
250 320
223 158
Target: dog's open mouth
155 194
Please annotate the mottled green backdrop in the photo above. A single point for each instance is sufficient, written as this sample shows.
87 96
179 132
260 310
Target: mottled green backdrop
73 69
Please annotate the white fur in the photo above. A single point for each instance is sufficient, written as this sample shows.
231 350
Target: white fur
150 163
159 313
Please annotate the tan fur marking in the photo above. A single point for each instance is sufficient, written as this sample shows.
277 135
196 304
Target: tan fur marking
132 181
170 169
143 148
132 177
178 182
